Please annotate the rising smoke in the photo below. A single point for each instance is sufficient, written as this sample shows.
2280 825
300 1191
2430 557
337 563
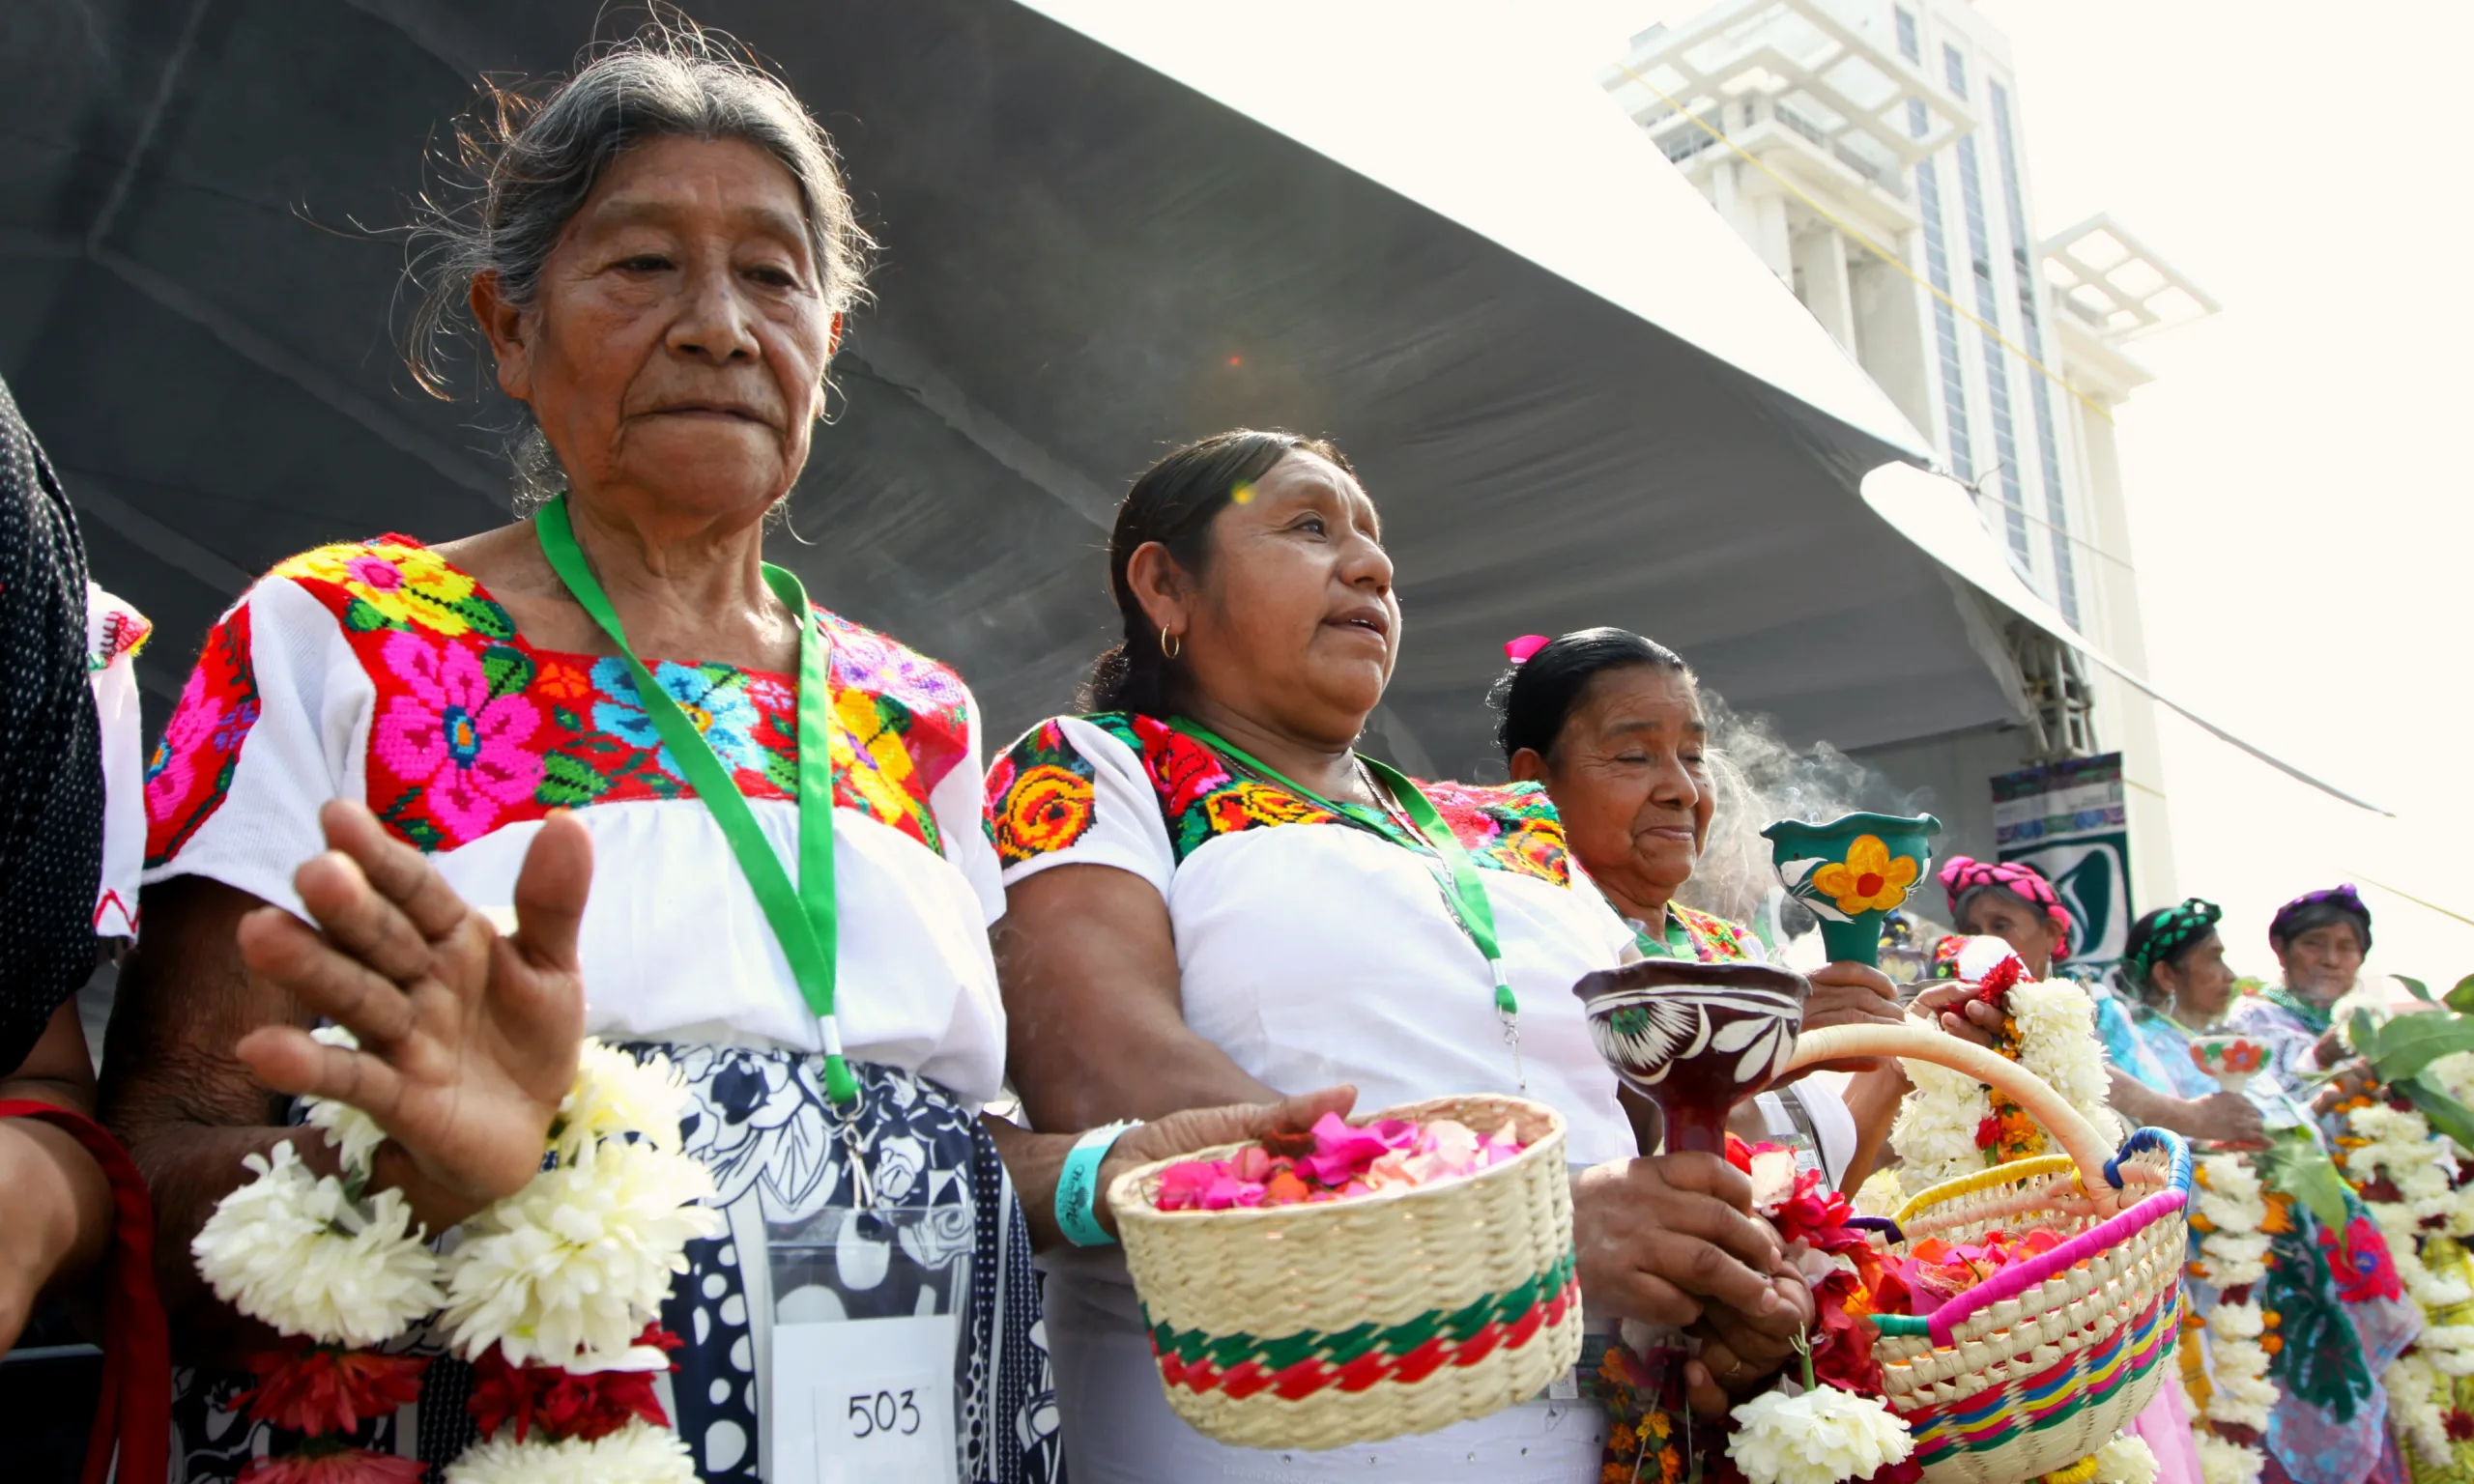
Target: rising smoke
1760 779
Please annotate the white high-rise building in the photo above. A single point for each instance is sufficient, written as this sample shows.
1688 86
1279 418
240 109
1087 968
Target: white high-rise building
1871 151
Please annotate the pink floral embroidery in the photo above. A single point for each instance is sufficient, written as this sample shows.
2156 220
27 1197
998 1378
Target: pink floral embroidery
447 736
192 769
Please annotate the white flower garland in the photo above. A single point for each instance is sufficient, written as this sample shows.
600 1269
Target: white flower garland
2228 1463
1936 1132
2233 1207
2398 1144
565 1272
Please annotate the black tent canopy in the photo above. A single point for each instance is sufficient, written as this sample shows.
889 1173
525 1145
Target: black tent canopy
1085 261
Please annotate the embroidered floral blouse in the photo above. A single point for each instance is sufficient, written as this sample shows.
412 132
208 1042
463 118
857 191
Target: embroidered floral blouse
377 671
1312 952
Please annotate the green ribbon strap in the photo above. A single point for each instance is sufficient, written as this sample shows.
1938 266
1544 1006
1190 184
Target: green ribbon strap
802 916
1463 890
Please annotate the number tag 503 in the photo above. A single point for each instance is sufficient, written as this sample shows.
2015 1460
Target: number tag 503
880 1395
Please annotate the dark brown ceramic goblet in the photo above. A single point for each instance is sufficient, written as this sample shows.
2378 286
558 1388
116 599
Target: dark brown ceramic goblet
1695 1039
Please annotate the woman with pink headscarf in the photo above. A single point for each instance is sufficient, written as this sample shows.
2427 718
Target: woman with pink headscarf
2014 902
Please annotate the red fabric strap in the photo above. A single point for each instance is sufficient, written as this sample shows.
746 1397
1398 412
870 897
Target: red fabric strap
133 1409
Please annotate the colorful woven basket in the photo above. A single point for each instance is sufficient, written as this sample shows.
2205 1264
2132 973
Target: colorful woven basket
1344 1322
2027 1375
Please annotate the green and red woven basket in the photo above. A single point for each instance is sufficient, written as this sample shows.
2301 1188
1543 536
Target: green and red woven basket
1345 1322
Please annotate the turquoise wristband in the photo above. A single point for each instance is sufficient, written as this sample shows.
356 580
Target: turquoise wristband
1078 1186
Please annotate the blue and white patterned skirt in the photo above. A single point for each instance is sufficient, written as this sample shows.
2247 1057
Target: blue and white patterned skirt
779 1152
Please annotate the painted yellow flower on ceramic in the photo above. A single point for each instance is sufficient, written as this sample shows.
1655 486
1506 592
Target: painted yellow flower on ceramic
1870 879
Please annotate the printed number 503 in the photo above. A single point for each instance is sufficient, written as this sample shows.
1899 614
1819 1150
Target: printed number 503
884 1412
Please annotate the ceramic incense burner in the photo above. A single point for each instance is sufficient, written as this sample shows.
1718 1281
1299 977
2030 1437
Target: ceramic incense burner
1851 872
1695 1039
2229 1058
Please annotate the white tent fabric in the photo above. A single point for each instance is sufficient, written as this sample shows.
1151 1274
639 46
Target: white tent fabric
1466 107
1937 513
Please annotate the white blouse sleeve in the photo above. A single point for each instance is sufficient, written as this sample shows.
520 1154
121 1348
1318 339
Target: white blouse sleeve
1073 794
273 723
961 808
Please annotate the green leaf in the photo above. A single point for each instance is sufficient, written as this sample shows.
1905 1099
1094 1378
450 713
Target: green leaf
2461 998
363 615
2446 1114
2299 1168
567 782
2408 1044
2415 987
2364 1033
507 669
487 619
566 719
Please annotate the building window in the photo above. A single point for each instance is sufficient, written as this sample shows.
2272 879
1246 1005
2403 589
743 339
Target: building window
1988 308
2065 575
1908 45
1946 322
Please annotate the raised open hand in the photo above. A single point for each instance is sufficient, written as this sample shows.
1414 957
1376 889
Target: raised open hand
467 1039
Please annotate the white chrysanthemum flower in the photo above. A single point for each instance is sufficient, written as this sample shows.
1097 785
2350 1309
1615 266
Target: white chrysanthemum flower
1822 1436
354 1134
2058 1040
2125 1461
2226 1462
2230 1176
639 1453
2236 1322
2234 1260
2229 1214
288 1248
1879 1195
1935 1134
615 1095
580 1259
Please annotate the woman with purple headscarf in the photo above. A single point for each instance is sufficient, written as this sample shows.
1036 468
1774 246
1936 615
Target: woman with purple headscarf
2320 940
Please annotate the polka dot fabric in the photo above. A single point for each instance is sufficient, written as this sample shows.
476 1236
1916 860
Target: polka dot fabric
51 771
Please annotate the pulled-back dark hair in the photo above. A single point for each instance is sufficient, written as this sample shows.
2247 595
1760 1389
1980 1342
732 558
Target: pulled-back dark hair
1537 696
1173 503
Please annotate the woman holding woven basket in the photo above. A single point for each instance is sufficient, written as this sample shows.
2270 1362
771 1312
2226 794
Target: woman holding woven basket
1211 896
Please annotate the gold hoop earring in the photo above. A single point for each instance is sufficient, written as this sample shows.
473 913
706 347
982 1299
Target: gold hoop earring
1171 645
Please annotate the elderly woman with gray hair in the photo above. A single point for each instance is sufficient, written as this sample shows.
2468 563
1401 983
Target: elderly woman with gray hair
459 740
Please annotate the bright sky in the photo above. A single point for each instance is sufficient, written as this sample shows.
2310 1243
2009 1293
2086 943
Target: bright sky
2301 523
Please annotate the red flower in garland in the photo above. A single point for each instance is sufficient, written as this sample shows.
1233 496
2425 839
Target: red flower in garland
335 1465
319 1390
2461 1427
2362 1266
563 1403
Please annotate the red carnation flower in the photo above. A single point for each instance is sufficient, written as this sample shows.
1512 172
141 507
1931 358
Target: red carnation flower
561 1403
2461 1427
320 1389
335 1465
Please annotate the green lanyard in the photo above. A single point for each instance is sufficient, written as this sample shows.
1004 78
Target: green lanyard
1466 893
802 916
1678 944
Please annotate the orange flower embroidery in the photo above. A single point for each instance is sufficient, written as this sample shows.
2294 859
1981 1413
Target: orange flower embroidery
1047 809
1870 879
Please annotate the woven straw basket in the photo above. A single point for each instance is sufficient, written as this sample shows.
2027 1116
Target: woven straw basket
1344 1322
2027 1374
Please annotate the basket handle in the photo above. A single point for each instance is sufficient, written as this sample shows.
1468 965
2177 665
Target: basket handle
1918 1043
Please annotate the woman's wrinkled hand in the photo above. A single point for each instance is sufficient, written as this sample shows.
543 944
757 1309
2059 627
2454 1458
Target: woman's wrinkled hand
469 1040
1200 1128
1740 1353
1848 994
2226 1117
1663 1237
1954 1008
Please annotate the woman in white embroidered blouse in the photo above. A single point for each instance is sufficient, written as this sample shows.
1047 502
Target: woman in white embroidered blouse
1211 897
658 256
